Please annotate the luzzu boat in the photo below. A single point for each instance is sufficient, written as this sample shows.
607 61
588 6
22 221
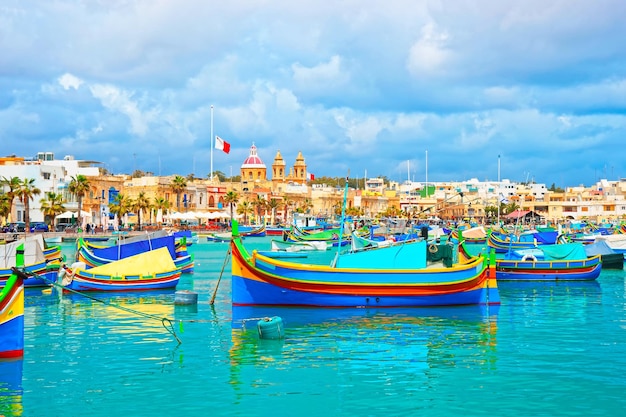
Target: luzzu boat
561 262
95 255
12 316
506 243
404 275
151 270
40 262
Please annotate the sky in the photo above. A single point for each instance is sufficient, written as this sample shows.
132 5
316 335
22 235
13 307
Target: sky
445 90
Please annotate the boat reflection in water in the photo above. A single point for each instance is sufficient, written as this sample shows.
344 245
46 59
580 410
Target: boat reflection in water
11 387
327 344
105 314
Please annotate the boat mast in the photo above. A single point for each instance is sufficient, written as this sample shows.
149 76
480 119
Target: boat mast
427 193
498 192
343 219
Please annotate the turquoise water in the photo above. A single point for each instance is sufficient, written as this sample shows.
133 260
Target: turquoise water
548 350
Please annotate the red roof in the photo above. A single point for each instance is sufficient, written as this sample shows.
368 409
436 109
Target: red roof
517 214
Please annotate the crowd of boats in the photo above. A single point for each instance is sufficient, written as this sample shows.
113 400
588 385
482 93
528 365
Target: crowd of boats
351 264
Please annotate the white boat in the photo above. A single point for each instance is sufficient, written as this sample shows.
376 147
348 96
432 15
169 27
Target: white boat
312 245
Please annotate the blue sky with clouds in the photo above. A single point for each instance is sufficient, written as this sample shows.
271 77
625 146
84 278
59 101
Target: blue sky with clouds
357 86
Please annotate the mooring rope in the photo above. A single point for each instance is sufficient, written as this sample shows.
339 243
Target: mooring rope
165 322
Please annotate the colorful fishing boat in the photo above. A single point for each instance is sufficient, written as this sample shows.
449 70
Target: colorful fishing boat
12 317
396 276
505 243
98 255
40 262
151 270
611 259
562 262
284 246
246 231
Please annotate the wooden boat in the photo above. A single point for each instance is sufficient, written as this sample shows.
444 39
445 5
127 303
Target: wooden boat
149 270
249 231
41 263
396 276
284 246
617 242
563 262
275 230
362 243
12 317
506 243
246 231
329 236
98 255
611 259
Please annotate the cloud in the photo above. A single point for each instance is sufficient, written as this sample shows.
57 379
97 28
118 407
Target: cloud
359 86
68 81
117 100
429 54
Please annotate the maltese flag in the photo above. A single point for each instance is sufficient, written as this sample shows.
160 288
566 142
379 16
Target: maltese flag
310 176
222 145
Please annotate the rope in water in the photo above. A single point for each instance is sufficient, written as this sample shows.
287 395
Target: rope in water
165 322
244 321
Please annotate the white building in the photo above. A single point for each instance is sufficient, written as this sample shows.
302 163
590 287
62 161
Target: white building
50 175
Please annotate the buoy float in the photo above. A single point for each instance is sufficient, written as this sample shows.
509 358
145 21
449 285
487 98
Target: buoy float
271 328
185 297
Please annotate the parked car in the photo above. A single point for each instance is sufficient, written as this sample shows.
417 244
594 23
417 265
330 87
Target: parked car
39 227
14 227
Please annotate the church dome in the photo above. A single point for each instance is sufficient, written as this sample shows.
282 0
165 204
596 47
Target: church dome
253 160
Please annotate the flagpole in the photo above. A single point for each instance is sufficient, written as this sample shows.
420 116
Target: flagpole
211 143
498 196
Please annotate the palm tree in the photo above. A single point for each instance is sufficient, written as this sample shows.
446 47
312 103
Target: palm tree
52 206
78 186
244 208
231 198
27 192
287 202
273 205
161 204
14 184
306 205
178 185
4 206
259 206
120 206
140 204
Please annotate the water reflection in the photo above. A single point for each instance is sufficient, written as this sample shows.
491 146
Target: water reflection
11 387
367 344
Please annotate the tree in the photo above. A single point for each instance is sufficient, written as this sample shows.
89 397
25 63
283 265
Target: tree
287 203
26 192
14 184
120 206
140 204
231 198
4 205
259 206
245 208
178 185
219 174
52 206
161 204
273 204
306 205
78 186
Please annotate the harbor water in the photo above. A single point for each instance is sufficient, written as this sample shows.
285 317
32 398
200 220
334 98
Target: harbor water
550 349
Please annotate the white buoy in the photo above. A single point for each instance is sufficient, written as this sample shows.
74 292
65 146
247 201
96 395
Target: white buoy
185 297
